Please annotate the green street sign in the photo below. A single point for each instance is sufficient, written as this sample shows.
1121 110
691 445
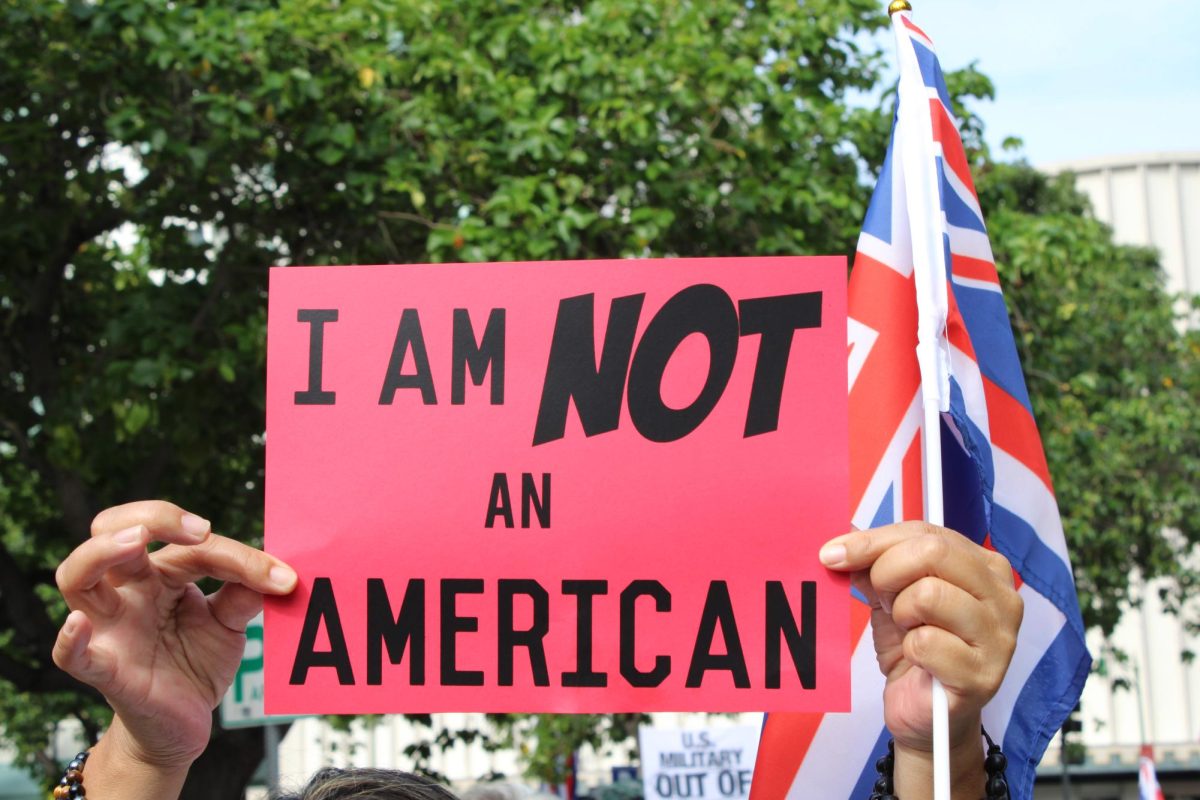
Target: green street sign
242 705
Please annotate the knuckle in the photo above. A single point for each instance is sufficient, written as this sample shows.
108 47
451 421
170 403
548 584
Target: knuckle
928 594
933 547
168 557
252 563
1018 607
917 528
997 560
98 521
1000 565
210 544
918 643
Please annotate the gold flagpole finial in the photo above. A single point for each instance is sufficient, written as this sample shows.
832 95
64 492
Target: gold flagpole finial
899 5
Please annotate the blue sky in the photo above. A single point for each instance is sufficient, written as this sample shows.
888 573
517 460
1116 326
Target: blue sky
1078 79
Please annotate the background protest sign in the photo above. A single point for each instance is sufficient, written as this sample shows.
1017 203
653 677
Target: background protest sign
571 486
242 704
698 764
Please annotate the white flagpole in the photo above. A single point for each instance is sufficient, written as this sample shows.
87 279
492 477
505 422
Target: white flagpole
914 140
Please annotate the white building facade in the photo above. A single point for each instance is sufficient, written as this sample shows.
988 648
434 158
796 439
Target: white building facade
1152 695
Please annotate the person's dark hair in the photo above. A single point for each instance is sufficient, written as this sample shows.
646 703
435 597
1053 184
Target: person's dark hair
366 783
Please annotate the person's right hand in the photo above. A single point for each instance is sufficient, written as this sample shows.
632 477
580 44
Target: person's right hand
143 633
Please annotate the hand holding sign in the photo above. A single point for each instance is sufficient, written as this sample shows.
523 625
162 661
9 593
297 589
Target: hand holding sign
142 633
941 606
162 654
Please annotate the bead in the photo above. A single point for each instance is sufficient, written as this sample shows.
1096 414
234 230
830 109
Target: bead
73 776
76 764
883 784
997 788
60 792
75 791
883 765
995 762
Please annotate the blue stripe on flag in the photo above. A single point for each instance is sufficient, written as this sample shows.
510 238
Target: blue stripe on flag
879 213
1036 563
987 324
885 514
958 213
1048 696
931 72
979 446
966 510
865 786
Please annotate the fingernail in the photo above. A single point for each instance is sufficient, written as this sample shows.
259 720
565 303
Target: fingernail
832 555
71 624
129 535
281 577
194 526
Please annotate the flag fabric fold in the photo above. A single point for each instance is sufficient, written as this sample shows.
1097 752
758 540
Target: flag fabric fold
996 485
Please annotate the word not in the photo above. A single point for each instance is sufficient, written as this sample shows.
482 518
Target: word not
624 372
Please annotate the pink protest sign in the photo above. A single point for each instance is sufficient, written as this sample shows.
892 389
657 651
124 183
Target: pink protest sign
573 486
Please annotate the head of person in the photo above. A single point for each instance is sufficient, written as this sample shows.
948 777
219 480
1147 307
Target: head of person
368 783
496 790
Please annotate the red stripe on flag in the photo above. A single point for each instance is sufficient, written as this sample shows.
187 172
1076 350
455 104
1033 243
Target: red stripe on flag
956 327
912 27
786 737
885 301
946 134
913 503
973 268
1014 430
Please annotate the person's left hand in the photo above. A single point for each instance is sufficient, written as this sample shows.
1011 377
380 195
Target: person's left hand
941 606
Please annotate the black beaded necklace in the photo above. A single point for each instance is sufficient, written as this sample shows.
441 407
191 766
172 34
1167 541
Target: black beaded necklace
995 763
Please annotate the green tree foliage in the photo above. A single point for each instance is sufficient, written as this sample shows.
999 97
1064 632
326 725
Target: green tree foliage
1114 385
156 157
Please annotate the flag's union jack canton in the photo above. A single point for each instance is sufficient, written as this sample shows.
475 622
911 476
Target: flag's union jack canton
997 487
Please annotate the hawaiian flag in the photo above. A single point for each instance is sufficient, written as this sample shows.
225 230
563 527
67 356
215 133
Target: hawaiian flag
997 488
1148 788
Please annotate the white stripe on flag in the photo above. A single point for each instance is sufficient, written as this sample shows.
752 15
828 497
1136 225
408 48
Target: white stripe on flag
975 283
970 243
966 373
897 255
1040 626
861 339
889 471
1017 486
